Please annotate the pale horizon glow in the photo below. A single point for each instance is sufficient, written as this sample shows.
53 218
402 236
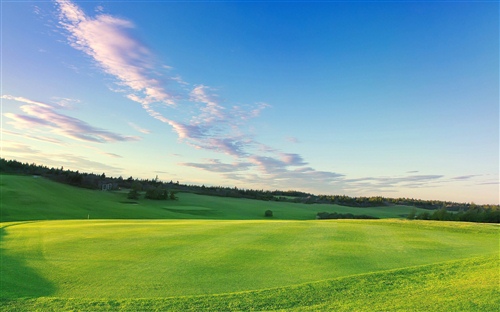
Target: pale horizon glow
393 99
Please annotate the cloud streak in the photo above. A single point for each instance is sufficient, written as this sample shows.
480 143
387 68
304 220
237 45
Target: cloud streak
388 184
105 38
33 137
41 115
23 152
275 172
140 129
215 165
17 148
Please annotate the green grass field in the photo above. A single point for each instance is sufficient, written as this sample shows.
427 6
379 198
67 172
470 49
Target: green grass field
229 257
464 285
29 198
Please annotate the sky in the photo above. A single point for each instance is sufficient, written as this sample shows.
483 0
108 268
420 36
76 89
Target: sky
362 98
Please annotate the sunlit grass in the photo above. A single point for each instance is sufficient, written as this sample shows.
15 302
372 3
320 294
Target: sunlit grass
463 285
139 259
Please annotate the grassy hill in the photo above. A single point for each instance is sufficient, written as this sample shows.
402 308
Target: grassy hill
35 198
219 254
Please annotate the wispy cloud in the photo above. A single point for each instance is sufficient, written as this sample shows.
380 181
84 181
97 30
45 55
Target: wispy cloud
24 100
292 139
398 180
38 114
215 165
17 148
138 128
274 172
386 184
113 155
107 40
489 183
466 177
279 169
292 159
23 152
99 151
65 102
212 112
34 137
73 161
215 127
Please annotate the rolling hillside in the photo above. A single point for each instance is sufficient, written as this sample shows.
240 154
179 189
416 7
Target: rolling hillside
35 198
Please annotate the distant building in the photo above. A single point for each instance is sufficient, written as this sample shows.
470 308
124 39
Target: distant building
106 186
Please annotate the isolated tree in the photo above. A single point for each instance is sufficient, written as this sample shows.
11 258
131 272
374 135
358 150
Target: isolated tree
441 215
172 195
424 216
268 213
156 193
133 194
412 214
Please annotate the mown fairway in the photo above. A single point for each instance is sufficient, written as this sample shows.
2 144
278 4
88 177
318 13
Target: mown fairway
144 259
463 285
125 263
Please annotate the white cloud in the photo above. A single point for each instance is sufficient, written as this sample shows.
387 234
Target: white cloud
41 115
34 137
17 148
215 165
292 139
140 129
106 39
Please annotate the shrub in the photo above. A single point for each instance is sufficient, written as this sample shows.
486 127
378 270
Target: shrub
133 194
268 213
156 193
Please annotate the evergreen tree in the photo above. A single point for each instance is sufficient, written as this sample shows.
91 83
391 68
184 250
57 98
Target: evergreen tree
133 194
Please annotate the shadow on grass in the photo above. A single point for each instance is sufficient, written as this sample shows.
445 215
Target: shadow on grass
17 279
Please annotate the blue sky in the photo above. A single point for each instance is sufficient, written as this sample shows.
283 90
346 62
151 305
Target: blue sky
390 98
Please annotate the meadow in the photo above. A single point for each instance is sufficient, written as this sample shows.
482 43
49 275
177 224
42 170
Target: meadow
220 254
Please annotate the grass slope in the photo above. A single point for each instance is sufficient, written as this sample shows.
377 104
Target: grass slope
29 198
464 285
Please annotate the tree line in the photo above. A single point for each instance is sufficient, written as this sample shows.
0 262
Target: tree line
156 193
472 214
149 188
155 189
